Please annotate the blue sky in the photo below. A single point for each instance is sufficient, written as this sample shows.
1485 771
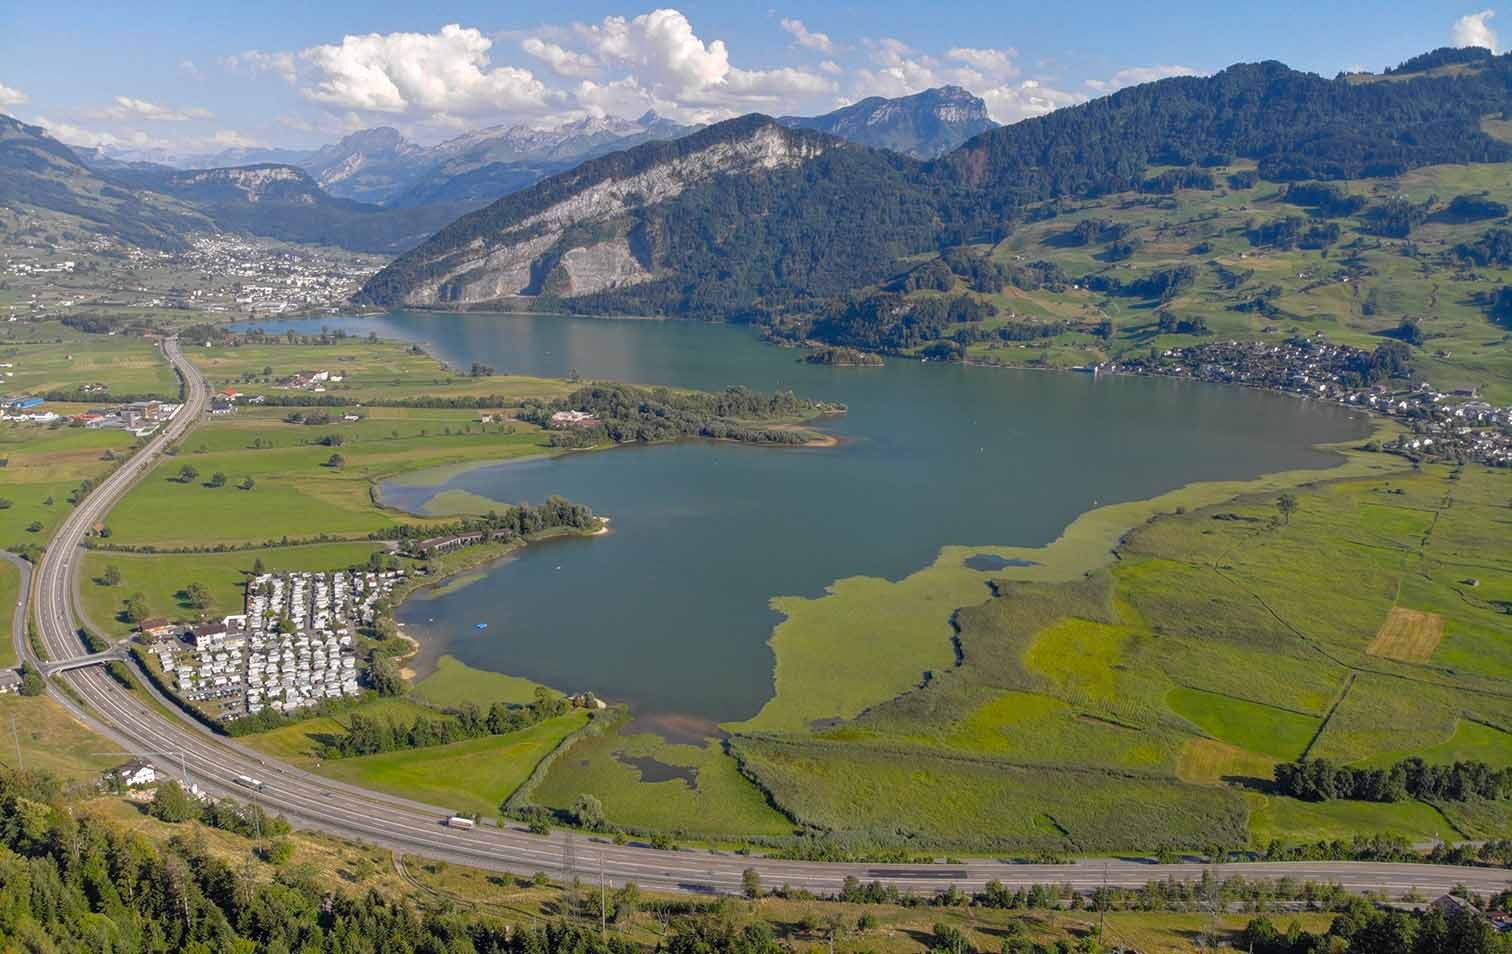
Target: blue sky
180 77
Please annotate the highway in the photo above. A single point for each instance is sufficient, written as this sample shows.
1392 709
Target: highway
214 763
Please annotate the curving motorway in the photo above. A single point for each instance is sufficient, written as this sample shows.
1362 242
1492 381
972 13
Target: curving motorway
214 762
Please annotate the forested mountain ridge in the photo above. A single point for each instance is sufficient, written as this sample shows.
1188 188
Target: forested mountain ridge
762 238
1295 125
38 173
690 225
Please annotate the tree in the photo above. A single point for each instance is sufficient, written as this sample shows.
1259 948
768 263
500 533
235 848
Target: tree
336 462
32 683
384 676
34 527
187 474
588 812
1286 505
172 804
197 595
111 576
135 608
217 479
257 567
247 483
750 882
6 503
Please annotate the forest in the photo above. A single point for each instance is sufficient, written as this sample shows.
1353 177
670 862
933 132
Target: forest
624 413
1319 780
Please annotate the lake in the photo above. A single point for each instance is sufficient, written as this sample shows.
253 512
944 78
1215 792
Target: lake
670 611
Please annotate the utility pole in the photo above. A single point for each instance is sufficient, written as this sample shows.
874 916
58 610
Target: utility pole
20 765
569 874
1102 907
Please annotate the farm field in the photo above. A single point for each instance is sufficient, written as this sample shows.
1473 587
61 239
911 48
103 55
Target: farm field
43 466
370 370
48 357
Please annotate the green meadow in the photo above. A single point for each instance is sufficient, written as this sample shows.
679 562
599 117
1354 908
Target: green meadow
48 356
470 776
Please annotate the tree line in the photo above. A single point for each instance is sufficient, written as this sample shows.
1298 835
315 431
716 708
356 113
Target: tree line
1319 780
625 413
369 735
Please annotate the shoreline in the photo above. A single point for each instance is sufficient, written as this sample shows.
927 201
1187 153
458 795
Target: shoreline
1107 523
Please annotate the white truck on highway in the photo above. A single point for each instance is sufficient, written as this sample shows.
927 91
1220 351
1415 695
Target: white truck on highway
462 822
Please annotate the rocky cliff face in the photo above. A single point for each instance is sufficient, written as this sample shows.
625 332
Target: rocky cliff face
576 234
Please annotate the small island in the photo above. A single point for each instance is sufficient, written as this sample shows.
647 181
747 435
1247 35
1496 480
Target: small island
622 413
839 357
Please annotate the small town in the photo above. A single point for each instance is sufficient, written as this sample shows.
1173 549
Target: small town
292 648
1454 425
235 275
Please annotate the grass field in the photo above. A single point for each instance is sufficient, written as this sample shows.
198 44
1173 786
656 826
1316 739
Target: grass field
10 593
43 465
1289 820
52 740
1408 635
66 360
471 776
454 682
299 742
647 784
370 370
1254 726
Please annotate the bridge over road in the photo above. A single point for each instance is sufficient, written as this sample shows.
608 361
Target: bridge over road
54 666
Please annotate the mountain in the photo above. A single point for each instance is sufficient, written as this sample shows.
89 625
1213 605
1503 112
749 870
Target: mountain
746 207
370 166
284 202
751 215
484 165
45 185
924 125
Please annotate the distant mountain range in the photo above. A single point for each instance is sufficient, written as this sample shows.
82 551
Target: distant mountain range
924 125
380 166
750 215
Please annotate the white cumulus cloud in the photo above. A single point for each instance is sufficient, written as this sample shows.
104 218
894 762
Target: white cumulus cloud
674 71
1013 102
131 109
563 62
998 64
257 61
1474 29
10 96
806 38
448 71
1135 75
